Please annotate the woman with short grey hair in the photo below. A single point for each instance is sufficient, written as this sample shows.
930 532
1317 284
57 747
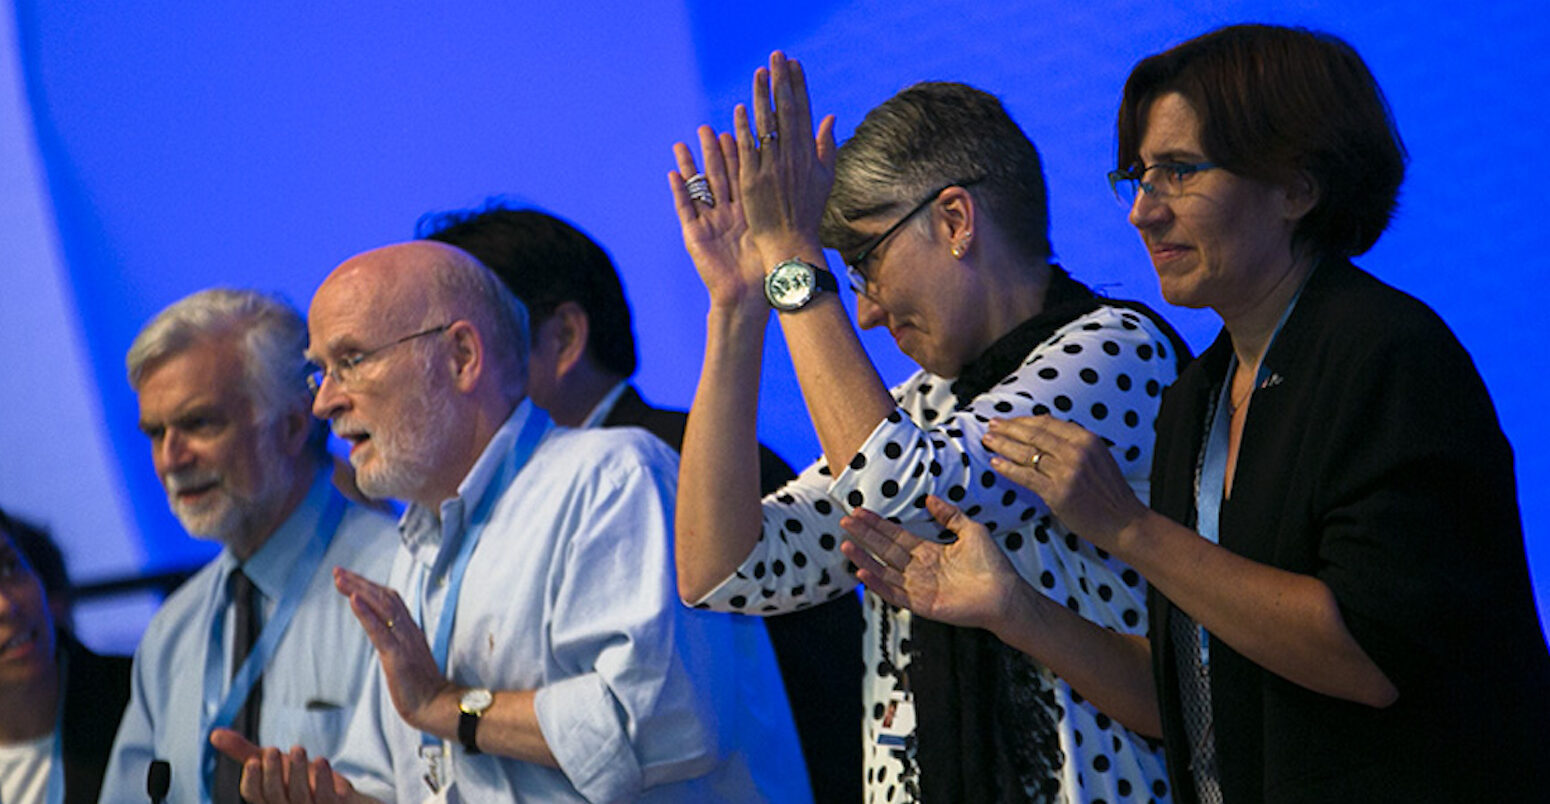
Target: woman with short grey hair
937 206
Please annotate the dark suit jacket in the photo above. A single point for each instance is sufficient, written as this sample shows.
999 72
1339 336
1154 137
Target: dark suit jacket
96 692
1374 463
818 649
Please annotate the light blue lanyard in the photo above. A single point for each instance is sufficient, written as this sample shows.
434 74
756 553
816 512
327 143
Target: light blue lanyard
521 450
263 650
1212 483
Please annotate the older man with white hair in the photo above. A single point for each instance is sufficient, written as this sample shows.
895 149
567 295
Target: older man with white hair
257 640
532 645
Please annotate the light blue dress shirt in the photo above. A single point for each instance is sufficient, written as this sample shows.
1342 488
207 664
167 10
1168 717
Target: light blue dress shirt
570 592
310 687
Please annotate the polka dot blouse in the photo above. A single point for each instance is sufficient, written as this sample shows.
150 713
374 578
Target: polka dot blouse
1105 371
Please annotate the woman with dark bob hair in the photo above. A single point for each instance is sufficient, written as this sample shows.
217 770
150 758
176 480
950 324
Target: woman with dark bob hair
1341 608
937 206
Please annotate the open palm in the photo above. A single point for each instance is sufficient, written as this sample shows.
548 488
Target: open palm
967 582
716 235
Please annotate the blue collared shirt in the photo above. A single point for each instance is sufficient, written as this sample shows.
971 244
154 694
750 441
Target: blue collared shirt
570 592
310 687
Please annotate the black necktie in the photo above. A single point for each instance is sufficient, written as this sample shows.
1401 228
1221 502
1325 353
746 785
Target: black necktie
245 627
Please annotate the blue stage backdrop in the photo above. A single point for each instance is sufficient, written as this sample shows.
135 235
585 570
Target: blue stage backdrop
151 151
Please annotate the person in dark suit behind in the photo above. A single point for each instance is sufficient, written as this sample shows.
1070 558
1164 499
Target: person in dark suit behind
583 354
62 702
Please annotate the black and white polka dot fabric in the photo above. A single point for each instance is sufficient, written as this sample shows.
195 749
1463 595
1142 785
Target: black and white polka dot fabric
1105 371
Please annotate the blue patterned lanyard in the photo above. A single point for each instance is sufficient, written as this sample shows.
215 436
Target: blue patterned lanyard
521 450
1211 485
268 640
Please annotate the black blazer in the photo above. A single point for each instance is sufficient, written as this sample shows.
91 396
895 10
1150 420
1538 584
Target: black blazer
818 649
96 692
1373 461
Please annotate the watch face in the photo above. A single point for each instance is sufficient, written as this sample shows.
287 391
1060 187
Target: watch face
476 701
790 285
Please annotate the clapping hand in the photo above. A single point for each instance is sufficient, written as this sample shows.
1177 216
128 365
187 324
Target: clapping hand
419 690
760 196
714 230
785 172
270 776
968 582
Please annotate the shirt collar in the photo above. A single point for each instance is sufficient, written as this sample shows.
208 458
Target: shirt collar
419 529
270 566
604 406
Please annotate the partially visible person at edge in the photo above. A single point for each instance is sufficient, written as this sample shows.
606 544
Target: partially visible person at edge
938 207
583 355
61 702
1341 605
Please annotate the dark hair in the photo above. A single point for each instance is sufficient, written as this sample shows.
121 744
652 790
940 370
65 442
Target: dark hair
1272 102
928 135
545 261
40 552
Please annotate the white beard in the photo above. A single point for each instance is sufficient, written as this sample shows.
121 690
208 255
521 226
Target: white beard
408 450
224 515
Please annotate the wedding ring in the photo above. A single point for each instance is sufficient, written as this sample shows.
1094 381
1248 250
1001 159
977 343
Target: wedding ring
699 189
766 139
1038 455
390 623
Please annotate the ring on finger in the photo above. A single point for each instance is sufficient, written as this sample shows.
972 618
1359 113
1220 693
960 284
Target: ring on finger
390 623
1038 455
769 138
698 188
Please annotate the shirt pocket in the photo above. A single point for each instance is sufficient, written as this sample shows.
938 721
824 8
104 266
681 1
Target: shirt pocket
317 726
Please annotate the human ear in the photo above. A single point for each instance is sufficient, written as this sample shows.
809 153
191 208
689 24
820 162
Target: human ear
571 329
1300 195
953 218
467 355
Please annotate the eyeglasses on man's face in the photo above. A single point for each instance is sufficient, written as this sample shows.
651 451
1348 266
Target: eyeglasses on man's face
855 267
1162 180
344 371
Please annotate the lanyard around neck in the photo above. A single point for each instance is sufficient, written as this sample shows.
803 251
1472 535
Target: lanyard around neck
511 465
268 640
1211 482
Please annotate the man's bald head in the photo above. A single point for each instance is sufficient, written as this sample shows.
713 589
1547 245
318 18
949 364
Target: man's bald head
425 353
421 284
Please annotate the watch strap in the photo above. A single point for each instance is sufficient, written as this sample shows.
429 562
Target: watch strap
824 279
467 729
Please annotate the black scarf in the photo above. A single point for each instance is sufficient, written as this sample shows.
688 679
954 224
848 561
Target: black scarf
986 716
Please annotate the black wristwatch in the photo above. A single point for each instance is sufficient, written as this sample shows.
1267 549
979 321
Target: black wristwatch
793 284
472 705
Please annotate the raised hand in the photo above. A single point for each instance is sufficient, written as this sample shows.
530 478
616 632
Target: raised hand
785 172
968 582
716 233
1071 469
414 680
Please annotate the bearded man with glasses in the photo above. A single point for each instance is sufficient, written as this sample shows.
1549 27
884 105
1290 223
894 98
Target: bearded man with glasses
531 648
